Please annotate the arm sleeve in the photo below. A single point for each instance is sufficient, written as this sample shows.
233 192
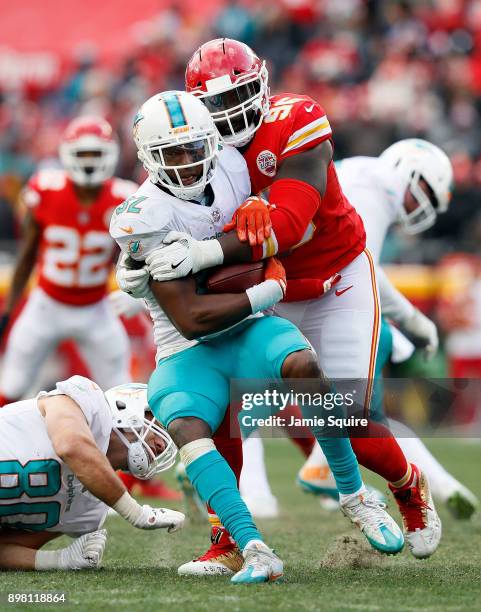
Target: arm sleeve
295 203
393 303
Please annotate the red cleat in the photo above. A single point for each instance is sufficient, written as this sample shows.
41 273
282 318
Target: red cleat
422 526
223 558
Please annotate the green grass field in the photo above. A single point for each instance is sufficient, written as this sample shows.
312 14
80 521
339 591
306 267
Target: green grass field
139 568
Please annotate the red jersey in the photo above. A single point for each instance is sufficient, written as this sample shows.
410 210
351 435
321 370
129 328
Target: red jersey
76 250
331 236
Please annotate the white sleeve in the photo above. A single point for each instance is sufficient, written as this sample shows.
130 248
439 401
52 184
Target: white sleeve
393 303
91 401
140 234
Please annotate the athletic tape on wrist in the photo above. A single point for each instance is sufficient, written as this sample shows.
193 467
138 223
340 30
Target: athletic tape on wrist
128 508
264 295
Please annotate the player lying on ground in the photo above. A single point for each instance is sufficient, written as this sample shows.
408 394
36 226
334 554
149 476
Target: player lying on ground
286 141
58 456
194 188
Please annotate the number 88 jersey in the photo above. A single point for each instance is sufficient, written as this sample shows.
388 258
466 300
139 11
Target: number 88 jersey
38 491
75 251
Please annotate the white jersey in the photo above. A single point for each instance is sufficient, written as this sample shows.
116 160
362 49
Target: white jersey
377 193
144 220
38 491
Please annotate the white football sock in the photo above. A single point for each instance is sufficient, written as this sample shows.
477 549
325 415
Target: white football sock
253 480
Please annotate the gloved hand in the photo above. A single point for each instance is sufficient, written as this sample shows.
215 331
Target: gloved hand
147 517
159 518
252 220
135 282
85 552
424 330
274 270
125 305
183 255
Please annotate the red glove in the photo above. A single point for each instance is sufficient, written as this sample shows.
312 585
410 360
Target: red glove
274 270
252 220
300 289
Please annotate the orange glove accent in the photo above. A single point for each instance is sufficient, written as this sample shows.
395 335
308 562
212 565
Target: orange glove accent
274 270
252 221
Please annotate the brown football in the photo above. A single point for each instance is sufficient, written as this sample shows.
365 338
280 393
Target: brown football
236 278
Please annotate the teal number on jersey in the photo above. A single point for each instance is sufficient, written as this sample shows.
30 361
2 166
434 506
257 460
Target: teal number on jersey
37 478
130 205
44 515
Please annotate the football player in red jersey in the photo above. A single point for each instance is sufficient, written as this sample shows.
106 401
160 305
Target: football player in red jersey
287 142
66 238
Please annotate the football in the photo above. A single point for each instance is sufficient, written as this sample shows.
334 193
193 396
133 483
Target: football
235 278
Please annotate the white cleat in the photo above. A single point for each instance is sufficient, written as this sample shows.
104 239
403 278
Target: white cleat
223 558
422 525
261 564
265 507
381 530
331 505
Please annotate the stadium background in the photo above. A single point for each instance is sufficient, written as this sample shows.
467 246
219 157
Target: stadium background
383 70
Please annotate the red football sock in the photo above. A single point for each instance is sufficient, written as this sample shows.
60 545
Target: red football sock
382 454
300 435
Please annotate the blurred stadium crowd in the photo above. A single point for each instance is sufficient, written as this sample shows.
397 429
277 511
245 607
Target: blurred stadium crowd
382 69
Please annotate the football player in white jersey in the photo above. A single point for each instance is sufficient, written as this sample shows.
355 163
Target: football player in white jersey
195 189
410 182
58 453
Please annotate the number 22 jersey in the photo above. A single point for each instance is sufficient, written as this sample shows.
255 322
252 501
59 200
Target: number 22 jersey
75 251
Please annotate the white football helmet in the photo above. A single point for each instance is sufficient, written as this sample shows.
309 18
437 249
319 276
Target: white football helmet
128 405
89 152
414 159
177 143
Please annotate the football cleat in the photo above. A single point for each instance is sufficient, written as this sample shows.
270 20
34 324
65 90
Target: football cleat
461 503
380 529
222 559
261 564
422 525
262 507
331 505
194 507
318 479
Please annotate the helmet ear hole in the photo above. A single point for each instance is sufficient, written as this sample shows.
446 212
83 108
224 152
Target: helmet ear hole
120 405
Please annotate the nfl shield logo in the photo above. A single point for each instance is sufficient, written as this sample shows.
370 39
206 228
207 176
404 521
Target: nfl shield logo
215 215
267 162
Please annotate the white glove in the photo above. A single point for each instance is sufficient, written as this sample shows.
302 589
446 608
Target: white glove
125 305
423 329
147 517
183 255
85 552
134 282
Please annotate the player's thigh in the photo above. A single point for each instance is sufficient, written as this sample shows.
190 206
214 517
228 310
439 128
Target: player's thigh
32 337
263 347
343 327
190 384
105 346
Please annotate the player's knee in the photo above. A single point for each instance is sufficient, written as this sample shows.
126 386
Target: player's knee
301 364
187 429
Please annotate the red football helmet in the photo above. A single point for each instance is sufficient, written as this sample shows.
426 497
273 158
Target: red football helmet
89 151
232 82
